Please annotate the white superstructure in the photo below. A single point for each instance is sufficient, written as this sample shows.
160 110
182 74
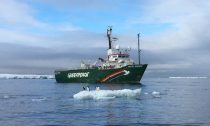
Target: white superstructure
116 57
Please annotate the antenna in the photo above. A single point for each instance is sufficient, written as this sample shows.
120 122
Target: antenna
109 33
139 51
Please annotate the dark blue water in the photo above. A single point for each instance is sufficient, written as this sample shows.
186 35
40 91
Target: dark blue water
43 102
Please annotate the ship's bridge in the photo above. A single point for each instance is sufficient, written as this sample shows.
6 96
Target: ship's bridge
117 58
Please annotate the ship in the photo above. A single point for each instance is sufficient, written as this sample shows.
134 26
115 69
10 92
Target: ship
116 68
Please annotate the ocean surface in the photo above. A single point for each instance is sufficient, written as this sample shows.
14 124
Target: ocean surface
162 101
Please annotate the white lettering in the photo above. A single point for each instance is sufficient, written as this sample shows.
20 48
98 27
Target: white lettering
78 75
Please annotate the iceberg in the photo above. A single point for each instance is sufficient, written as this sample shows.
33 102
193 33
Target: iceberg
201 77
107 94
25 76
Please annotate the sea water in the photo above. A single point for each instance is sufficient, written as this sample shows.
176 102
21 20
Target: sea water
162 101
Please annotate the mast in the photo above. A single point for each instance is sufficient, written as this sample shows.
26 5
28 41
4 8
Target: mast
139 51
109 33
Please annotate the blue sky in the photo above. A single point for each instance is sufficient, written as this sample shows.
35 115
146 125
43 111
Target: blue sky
92 18
39 36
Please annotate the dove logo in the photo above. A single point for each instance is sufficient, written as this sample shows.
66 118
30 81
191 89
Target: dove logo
126 72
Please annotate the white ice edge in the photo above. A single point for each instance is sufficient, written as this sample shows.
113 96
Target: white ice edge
107 94
25 76
188 77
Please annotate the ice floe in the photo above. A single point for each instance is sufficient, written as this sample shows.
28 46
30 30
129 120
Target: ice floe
156 94
107 94
188 77
25 76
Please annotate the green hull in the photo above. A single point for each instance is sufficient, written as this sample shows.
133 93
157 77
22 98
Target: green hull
127 74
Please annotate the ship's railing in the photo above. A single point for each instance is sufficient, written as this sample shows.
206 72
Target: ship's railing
99 68
77 68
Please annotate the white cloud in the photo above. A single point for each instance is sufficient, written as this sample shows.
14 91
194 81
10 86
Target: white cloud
8 36
18 24
189 21
14 12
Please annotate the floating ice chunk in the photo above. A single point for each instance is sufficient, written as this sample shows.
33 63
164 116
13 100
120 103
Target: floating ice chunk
156 94
6 96
39 99
107 94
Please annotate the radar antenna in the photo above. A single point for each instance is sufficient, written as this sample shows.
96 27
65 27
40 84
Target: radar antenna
109 34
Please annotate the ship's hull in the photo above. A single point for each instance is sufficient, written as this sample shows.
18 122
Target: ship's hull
127 74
